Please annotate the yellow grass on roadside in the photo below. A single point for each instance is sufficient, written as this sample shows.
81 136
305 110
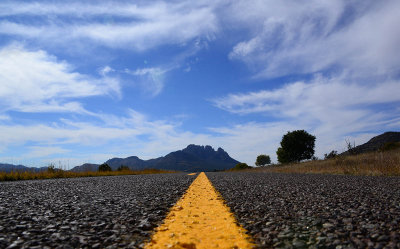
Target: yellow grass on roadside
375 163
27 175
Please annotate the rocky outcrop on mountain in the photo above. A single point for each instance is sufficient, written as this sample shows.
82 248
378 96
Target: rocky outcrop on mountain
195 158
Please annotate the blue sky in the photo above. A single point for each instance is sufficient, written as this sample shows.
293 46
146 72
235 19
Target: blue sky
85 81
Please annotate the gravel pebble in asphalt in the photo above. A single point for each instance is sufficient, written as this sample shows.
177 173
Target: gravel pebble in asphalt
98 212
314 211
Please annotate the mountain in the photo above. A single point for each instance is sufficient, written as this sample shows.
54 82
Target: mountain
191 159
133 162
377 142
86 167
5 167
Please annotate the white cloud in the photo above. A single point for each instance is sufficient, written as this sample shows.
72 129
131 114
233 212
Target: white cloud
44 151
5 117
66 132
144 26
34 81
320 96
151 80
280 37
306 37
105 70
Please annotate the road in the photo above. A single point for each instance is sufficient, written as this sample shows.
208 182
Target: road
116 211
314 211
278 210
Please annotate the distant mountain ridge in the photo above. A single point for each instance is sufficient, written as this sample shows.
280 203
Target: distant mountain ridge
193 158
5 167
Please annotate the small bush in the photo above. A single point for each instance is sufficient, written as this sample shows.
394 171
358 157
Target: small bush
351 147
331 155
241 166
104 167
51 168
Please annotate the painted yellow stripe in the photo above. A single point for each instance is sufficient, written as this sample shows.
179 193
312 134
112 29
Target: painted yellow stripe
191 174
200 219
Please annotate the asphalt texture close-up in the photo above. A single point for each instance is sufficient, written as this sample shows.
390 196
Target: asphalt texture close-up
314 211
97 212
277 210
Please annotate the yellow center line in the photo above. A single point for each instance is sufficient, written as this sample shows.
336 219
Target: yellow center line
200 219
191 174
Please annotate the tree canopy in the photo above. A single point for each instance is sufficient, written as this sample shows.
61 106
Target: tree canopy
105 167
263 160
296 146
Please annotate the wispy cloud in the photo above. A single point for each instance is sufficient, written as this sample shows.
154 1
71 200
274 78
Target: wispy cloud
44 151
137 27
358 37
321 95
330 107
4 117
34 81
151 79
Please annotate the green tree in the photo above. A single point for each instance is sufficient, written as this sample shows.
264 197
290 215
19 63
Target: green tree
296 146
263 160
105 167
241 166
123 168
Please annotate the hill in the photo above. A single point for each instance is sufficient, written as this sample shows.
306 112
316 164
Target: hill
376 143
193 158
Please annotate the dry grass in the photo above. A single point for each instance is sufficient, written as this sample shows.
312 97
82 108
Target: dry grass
376 163
27 175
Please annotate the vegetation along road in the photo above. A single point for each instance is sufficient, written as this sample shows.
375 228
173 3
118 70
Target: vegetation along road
277 210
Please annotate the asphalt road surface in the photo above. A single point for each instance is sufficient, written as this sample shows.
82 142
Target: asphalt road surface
278 210
314 211
97 212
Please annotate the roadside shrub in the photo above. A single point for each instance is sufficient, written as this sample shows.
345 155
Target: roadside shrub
351 148
331 155
241 166
104 167
51 168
